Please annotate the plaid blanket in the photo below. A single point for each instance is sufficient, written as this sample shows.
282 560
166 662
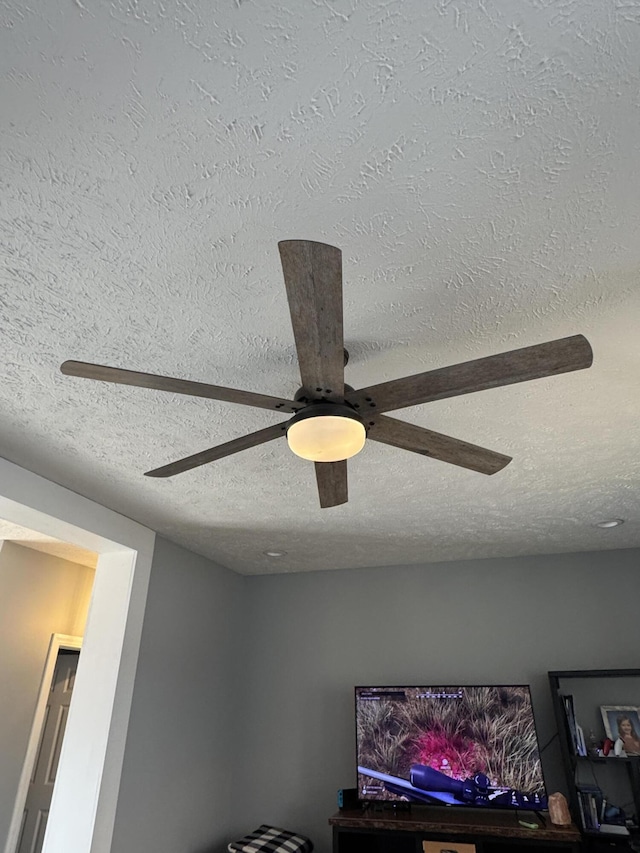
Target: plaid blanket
270 839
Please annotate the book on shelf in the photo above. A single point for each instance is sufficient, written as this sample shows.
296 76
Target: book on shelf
613 829
576 734
591 803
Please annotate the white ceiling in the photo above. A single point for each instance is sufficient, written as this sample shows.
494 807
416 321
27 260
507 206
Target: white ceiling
477 163
48 544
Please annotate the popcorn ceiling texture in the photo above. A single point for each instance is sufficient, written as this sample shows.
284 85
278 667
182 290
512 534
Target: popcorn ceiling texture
477 163
39 542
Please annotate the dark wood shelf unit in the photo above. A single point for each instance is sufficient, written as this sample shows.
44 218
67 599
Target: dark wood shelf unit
387 831
560 682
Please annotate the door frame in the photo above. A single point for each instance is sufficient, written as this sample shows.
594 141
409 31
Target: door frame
91 761
57 642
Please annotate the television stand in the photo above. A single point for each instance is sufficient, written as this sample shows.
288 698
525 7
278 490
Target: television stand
357 831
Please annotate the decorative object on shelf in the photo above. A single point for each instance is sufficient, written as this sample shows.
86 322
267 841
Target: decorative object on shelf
594 748
559 809
614 821
622 725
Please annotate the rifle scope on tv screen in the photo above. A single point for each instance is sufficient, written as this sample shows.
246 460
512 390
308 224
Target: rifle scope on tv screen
454 746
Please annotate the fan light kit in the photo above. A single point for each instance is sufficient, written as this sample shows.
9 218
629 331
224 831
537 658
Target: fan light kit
326 432
331 420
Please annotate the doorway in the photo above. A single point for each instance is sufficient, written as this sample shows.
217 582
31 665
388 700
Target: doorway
47 735
90 766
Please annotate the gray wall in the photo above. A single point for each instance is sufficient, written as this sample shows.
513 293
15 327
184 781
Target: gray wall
243 703
40 595
177 793
313 636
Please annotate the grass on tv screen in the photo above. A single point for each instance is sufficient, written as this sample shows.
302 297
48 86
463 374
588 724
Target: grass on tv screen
468 746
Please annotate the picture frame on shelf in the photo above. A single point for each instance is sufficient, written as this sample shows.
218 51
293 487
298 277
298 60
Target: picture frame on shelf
622 726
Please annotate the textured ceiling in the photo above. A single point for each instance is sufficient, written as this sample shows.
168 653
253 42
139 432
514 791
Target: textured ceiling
39 542
477 163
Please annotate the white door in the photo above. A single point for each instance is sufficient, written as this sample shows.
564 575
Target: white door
36 809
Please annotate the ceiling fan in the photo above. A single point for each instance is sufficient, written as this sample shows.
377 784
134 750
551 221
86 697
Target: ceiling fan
330 419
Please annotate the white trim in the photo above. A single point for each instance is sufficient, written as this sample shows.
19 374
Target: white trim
58 641
43 506
88 777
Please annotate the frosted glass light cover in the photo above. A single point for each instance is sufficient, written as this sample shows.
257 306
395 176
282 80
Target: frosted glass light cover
326 438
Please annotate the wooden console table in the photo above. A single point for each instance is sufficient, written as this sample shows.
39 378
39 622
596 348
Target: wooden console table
370 831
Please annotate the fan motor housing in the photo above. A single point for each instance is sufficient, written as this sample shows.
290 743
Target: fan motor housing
302 395
322 408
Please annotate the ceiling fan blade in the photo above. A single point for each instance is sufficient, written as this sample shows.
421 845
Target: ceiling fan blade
443 447
507 368
226 449
177 386
313 278
332 483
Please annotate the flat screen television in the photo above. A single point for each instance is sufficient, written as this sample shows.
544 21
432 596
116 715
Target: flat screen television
455 746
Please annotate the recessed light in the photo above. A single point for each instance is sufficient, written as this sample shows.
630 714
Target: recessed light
610 522
275 553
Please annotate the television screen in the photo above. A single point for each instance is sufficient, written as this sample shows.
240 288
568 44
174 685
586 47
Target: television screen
462 746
